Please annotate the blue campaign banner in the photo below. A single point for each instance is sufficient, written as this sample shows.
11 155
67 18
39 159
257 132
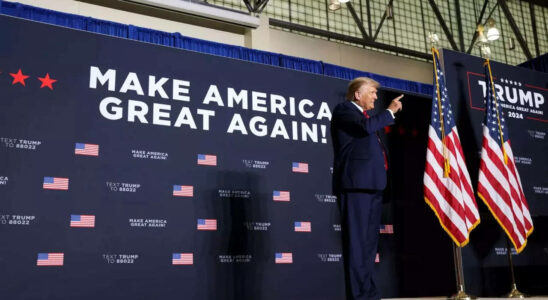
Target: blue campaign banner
135 171
523 95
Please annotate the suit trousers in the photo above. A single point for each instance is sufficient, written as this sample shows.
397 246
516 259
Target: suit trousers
360 222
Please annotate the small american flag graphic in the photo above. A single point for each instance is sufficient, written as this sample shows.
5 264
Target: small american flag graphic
303 226
387 229
82 221
284 258
50 259
207 160
86 149
280 196
55 183
182 259
183 190
299 167
207 224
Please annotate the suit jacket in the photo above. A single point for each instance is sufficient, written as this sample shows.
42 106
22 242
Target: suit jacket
359 159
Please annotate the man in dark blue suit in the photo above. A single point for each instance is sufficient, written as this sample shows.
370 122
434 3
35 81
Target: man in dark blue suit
359 177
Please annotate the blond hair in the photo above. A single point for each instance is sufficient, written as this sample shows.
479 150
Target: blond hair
357 83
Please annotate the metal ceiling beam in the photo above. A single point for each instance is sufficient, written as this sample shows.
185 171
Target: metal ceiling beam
369 18
248 5
358 21
459 25
448 33
382 20
478 22
262 6
534 24
346 38
515 29
256 7
481 22
538 2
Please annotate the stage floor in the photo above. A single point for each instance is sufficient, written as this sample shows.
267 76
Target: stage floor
480 298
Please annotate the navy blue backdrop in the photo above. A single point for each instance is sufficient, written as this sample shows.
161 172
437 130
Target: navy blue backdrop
140 225
144 116
524 95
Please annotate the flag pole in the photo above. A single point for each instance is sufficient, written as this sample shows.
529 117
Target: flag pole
457 255
494 95
459 274
514 292
445 152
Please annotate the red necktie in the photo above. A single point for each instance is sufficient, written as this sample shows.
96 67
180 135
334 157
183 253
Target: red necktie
382 146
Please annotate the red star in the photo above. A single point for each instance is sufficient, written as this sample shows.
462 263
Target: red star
19 78
47 81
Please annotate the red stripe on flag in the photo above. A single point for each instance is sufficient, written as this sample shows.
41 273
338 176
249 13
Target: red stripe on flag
444 220
447 195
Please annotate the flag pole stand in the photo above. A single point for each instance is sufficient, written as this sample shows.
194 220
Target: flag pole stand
514 292
461 294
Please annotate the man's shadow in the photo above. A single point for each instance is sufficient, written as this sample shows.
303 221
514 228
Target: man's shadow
233 266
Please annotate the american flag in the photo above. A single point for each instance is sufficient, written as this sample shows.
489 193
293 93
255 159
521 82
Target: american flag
50 259
284 258
447 186
499 184
207 160
183 190
303 227
182 259
280 196
82 221
207 224
86 149
300 167
386 229
55 183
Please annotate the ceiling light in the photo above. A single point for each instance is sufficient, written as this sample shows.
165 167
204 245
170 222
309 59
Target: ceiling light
389 12
492 32
334 4
511 44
